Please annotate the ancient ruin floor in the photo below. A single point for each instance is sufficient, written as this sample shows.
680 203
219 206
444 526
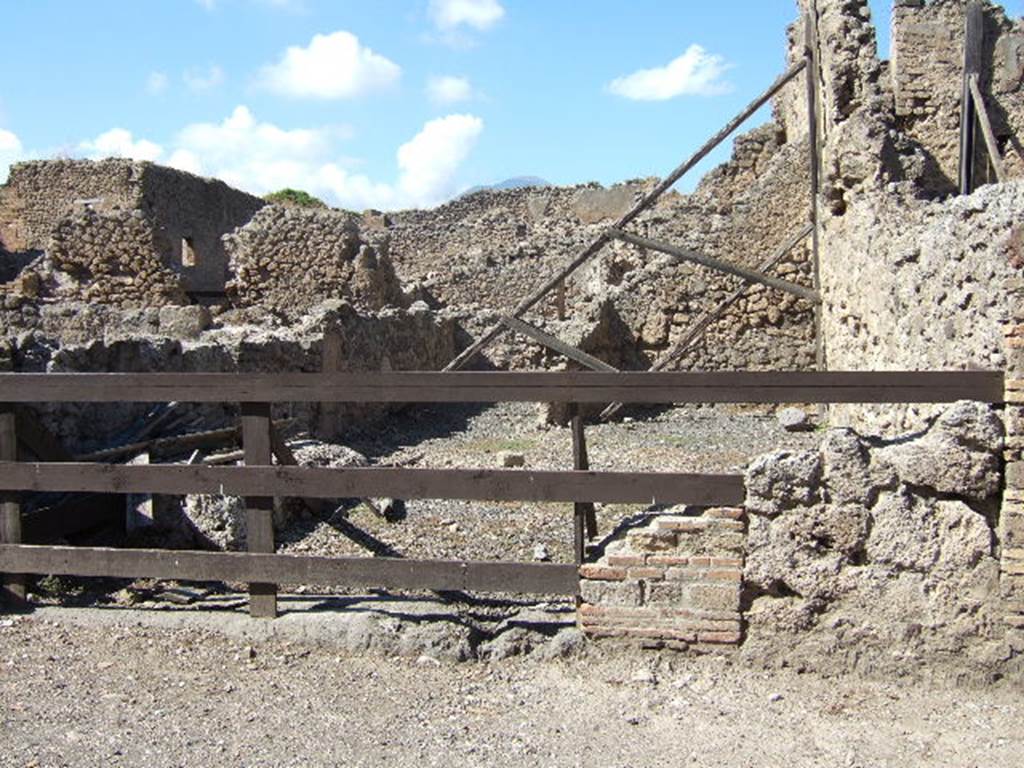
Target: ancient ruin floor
86 690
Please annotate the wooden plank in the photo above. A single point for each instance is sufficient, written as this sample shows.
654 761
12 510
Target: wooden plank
721 266
12 581
386 573
355 483
259 509
556 344
705 321
177 444
986 129
648 200
974 38
501 386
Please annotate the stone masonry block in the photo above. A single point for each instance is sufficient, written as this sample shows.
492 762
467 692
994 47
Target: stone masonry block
652 541
610 592
602 572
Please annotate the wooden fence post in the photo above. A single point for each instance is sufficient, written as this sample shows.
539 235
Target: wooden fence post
259 510
585 514
12 586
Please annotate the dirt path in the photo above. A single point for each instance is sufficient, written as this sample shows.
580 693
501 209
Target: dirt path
120 694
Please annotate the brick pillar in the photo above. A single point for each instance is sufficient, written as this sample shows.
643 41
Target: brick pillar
674 582
1011 515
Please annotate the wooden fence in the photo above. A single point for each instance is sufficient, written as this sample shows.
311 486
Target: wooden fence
259 481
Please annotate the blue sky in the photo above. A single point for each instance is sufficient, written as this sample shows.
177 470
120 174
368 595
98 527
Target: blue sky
386 103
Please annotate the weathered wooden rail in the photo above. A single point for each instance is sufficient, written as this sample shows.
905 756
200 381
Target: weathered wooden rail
259 481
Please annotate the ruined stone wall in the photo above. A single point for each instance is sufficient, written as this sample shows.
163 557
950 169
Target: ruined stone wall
39 194
914 285
482 254
882 553
290 259
927 72
187 215
334 336
193 214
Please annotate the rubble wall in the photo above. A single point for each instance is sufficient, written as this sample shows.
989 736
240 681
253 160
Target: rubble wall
290 259
915 285
927 76
882 554
187 215
192 215
481 254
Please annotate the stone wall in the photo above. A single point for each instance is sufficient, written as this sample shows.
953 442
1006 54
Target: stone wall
882 553
186 214
290 259
885 554
927 69
915 285
481 254
334 336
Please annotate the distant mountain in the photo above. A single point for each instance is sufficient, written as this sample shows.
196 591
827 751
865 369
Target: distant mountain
516 182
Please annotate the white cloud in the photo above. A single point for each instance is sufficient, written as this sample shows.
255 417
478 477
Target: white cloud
261 157
118 142
156 83
334 66
11 151
448 15
448 89
695 73
208 5
429 161
203 80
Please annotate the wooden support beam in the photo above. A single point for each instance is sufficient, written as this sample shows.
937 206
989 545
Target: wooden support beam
705 321
12 581
986 129
649 199
974 39
259 510
358 483
170 446
554 343
814 160
380 572
730 269
507 386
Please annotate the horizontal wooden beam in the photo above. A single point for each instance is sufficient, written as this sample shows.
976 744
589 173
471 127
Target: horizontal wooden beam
386 573
501 386
554 343
720 266
358 483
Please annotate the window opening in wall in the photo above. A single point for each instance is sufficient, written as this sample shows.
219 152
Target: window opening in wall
188 252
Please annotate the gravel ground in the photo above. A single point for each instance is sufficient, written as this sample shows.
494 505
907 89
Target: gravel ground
683 439
125 694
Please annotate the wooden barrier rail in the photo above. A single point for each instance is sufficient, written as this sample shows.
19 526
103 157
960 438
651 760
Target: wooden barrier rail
495 387
259 481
